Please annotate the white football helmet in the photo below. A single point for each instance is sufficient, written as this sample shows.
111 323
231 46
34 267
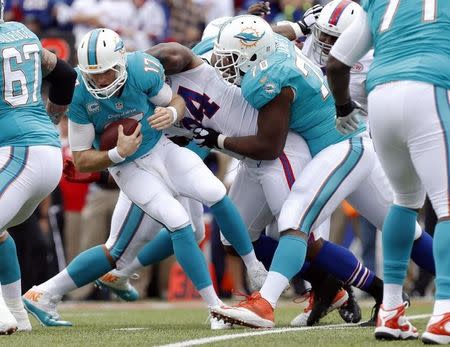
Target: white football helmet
213 27
335 17
101 50
243 42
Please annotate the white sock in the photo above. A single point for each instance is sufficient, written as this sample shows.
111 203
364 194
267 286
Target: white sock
59 284
441 307
12 291
392 296
209 295
250 260
273 286
130 269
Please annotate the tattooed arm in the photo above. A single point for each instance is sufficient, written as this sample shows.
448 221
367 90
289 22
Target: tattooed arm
61 77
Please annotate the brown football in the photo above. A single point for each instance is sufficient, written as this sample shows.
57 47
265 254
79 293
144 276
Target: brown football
109 137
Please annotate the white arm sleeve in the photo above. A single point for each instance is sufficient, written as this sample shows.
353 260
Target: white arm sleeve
163 97
354 42
81 136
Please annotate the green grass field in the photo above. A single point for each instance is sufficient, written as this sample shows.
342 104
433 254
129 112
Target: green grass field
158 323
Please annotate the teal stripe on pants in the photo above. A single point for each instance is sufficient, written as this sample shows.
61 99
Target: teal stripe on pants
332 183
14 167
128 230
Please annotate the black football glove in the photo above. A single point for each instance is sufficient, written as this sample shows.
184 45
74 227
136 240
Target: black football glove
309 19
206 137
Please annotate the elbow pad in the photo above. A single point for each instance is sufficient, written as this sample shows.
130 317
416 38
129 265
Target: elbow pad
62 83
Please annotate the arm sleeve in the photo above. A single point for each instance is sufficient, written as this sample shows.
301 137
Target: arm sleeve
354 42
81 136
163 97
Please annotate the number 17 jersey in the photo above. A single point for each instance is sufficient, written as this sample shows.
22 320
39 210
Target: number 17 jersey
23 118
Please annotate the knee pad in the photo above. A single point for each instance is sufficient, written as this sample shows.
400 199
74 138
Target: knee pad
168 211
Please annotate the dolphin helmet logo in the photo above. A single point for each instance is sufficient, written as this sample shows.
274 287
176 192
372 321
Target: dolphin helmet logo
249 37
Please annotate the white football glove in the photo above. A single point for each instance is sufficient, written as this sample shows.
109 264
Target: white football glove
350 123
309 19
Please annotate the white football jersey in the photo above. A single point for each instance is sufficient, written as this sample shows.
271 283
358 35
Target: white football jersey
213 103
358 73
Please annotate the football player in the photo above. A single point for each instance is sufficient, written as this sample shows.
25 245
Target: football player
290 93
30 154
409 97
150 170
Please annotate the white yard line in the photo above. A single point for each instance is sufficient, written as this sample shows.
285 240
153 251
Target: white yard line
212 339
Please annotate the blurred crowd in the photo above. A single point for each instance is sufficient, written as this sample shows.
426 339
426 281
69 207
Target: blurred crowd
77 216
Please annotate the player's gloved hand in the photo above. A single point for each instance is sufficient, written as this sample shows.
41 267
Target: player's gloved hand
309 19
71 174
260 9
348 116
208 137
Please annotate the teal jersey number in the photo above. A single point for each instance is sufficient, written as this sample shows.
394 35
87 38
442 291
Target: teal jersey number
15 90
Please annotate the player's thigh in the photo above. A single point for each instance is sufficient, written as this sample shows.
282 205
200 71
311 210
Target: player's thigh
429 142
191 177
28 175
146 188
247 194
330 177
389 129
373 197
130 230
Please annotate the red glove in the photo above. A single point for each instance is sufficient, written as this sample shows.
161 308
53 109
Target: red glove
71 174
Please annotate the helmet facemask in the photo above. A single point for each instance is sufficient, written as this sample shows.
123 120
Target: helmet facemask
229 63
108 91
321 49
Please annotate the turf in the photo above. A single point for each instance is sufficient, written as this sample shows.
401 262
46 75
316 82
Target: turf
150 324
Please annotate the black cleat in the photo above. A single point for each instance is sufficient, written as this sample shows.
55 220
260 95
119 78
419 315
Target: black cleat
350 312
373 316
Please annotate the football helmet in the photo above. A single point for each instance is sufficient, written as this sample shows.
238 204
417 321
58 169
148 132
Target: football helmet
242 43
335 17
213 27
101 50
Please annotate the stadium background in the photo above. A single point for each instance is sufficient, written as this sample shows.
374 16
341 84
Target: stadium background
76 216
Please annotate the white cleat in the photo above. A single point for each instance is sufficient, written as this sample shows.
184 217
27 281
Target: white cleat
218 324
20 314
8 323
438 330
256 277
394 325
119 285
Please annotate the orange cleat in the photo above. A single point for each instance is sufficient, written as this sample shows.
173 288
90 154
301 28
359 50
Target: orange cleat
438 330
254 312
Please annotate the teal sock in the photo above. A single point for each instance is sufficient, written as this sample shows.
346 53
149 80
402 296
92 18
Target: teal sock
89 265
9 264
289 256
398 237
190 257
232 226
157 249
441 244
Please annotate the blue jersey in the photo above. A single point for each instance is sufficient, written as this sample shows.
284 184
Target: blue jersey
145 79
411 39
312 111
23 121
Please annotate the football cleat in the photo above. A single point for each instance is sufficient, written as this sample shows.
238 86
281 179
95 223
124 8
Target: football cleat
302 319
42 305
438 330
119 285
256 277
393 325
8 323
350 312
20 314
254 312
218 324
376 308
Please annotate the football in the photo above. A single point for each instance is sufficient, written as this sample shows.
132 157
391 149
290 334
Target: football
109 137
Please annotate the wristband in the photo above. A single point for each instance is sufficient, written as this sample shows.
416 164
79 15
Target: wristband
174 113
221 141
346 109
295 26
114 156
